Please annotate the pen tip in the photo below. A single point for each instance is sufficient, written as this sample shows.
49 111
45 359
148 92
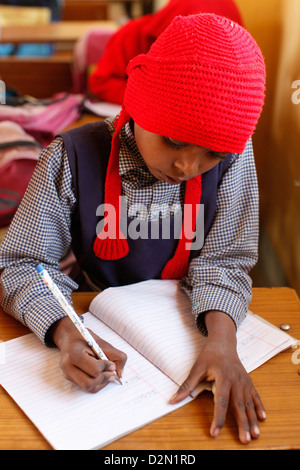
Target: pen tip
118 379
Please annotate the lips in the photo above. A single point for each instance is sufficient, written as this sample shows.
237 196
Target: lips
171 180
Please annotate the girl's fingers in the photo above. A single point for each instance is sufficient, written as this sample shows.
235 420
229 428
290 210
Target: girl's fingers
196 375
247 408
259 407
90 383
221 400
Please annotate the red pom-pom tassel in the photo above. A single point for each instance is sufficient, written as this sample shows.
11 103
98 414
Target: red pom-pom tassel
110 248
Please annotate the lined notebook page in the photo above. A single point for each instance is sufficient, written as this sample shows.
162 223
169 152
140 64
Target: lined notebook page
155 318
259 340
70 418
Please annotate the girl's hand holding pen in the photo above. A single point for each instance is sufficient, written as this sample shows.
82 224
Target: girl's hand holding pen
73 339
79 363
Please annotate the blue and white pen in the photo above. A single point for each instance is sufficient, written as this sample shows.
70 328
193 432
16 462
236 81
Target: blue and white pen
72 314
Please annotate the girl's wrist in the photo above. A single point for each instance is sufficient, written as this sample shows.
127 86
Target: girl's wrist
220 328
60 331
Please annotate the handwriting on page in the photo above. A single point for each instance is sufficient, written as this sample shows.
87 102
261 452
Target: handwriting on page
257 341
157 323
70 418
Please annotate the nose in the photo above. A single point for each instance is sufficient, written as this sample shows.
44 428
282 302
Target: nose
187 167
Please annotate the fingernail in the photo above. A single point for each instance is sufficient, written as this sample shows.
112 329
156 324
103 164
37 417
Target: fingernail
256 430
247 436
263 413
215 432
173 398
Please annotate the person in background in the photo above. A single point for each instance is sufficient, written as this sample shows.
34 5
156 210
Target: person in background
108 80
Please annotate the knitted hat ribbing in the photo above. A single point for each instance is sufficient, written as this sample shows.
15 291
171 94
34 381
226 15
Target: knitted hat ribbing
202 82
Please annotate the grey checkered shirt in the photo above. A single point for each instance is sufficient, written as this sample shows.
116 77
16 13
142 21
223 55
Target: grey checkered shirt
40 233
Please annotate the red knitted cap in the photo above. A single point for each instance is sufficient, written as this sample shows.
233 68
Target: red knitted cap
202 82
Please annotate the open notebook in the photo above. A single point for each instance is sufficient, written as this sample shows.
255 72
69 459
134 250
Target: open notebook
152 323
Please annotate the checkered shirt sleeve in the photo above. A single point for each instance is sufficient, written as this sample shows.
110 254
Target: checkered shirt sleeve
218 279
39 233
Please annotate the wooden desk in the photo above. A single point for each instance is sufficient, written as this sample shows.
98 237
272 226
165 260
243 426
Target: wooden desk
187 428
61 31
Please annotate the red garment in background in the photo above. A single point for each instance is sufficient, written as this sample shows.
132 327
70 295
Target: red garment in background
108 81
